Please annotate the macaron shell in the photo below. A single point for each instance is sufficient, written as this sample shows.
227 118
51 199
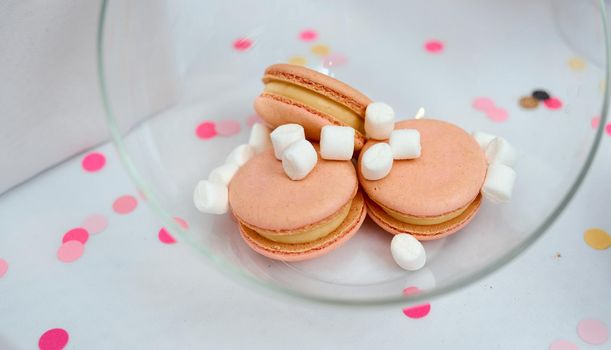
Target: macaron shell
310 250
447 176
422 232
277 110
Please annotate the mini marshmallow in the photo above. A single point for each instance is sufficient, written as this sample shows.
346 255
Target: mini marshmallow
405 143
377 161
299 159
483 138
284 135
223 174
379 120
498 185
240 155
336 142
259 137
211 197
499 150
407 252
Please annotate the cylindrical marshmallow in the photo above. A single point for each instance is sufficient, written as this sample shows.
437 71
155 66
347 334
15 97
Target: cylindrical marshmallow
285 135
299 159
259 137
223 174
377 161
482 138
405 143
379 120
499 182
501 151
336 142
240 155
211 197
407 252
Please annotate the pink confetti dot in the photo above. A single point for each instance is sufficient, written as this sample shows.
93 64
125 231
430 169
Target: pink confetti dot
418 311
53 339
70 251
95 223
595 122
76 234
182 223
93 162
3 267
497 114
483 104
553 103
206 130
433 46
252 119
592 331
228 127
125 204
308 35
562 344
242 44
608 129
165 237
411 291
334 60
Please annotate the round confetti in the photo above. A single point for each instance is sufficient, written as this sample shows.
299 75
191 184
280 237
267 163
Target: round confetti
595 122
252 119
298 60
553 103
334 60
562 344
541 95
529 102
70 251
76 234
592 331
608 129
93 162
320 50
3 267
124 204
182 223
433 46
206 130
53 339
308 35
597 238
497 114
165 237
411 291
228 127
242 44
577 64
418 311
483 104
95 223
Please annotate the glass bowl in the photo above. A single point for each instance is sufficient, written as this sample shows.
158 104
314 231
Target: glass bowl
166 67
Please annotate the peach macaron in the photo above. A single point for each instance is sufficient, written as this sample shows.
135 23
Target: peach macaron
296 94
296 220
432 196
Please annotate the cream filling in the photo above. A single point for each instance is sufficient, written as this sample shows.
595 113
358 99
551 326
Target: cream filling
318 102
312 233
432 220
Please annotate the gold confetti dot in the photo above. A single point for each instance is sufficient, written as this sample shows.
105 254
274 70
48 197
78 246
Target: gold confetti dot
577 63
298 60
601 85
529 102
321 50
597 238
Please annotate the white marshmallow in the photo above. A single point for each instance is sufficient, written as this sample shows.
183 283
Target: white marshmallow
377 161
499 182
407 252
336 142
223 174
211 197
284 135
483 138
259 137
240 155
499 150
379 120
405 143
299 159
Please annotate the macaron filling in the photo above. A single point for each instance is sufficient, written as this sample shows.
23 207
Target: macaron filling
424 220
315 100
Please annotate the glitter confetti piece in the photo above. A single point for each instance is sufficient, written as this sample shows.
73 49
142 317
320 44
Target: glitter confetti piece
597 238
553 103
206 130
76 234
124 204
433 46
93 162
53 339
308 35
418 311
528 102
242 44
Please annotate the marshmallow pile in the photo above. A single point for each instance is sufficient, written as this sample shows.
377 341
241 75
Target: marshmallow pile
211 196
501 156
